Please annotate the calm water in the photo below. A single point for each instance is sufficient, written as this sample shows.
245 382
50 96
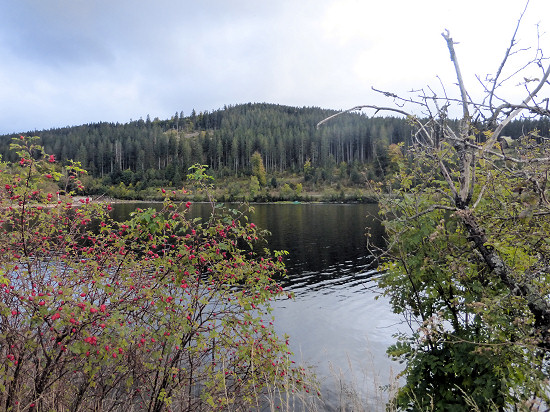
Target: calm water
335 323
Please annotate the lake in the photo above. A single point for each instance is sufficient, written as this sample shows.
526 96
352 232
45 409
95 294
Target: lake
335 323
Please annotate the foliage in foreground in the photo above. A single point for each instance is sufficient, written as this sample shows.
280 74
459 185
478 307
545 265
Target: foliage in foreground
468 220
474 341
161 312
467 216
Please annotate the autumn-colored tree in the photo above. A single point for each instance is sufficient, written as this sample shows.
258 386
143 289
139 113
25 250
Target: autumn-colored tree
258 168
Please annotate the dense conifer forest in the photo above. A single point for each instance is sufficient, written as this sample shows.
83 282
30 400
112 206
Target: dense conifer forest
141 154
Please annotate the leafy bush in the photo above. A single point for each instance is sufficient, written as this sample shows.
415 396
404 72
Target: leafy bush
159 312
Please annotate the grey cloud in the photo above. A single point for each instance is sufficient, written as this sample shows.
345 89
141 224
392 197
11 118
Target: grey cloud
65 62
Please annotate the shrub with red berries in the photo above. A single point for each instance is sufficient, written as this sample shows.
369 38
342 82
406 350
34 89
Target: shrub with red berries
158 311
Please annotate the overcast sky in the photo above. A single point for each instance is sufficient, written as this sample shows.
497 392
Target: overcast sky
69 62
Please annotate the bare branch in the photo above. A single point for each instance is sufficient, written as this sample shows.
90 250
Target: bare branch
463 93
500 155
429 210
506 55
366 106
448 179
492 140
480 196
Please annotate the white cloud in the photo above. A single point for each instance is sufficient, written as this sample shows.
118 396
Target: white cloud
69 62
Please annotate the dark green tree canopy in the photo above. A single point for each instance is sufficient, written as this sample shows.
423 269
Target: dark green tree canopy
225 139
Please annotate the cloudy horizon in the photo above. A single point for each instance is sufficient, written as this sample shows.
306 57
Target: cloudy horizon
71 62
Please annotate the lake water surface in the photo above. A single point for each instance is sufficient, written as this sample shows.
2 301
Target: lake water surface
335 323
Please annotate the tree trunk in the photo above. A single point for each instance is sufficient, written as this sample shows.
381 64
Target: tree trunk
538 306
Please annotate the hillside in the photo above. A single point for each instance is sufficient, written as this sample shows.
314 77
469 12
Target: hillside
141 154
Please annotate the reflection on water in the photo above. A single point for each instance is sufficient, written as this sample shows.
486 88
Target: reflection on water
326 242
334 323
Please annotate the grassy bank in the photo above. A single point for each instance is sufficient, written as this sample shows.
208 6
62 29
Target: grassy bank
289 188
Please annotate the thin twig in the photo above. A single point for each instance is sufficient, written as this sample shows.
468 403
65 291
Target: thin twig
506 55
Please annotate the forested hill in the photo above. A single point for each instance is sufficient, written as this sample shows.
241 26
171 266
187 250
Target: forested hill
156 152
223 139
